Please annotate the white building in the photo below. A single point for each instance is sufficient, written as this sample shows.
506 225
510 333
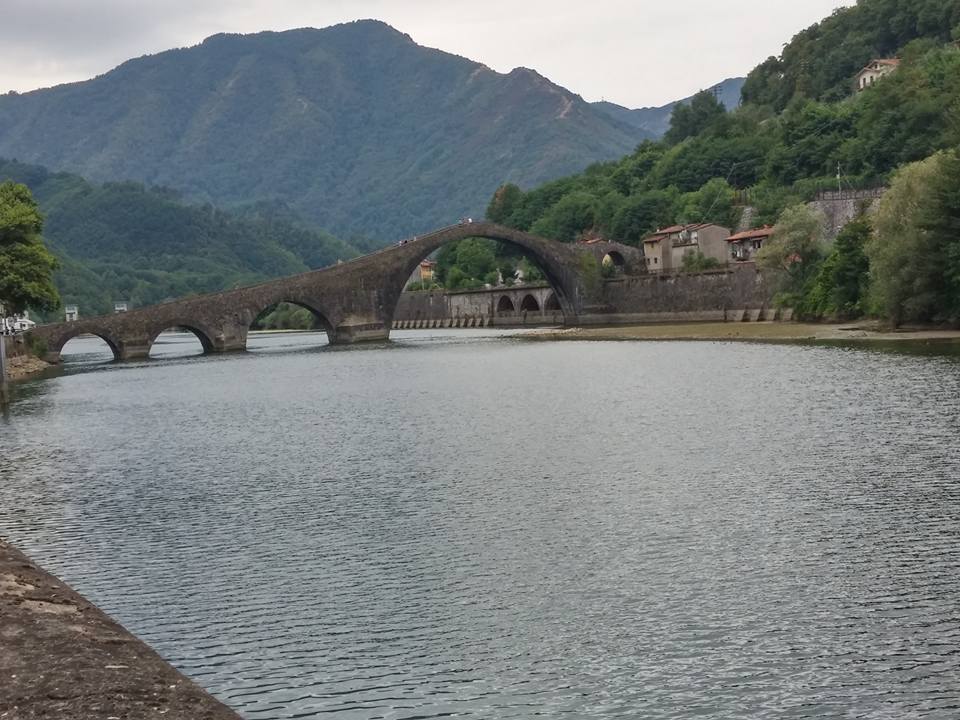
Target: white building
875 69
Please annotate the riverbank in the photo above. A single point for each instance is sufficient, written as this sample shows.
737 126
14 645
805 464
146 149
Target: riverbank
24 367
61 657
755 332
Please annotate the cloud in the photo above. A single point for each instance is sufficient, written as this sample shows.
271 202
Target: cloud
635 52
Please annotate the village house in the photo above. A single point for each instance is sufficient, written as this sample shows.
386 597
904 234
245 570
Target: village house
744 245
664 249
875 69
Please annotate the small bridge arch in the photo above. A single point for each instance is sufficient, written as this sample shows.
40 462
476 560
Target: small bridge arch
56 343
203 333
314 307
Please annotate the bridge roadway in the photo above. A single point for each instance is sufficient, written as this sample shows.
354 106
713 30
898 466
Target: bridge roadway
355 301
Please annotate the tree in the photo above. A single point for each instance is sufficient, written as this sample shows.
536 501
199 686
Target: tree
504 203
905 271
794 249
840 285
713 203
939 219
689 120
26 266
641 214
698 262
573 214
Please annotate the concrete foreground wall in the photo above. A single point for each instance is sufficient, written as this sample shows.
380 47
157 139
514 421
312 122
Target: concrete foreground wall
61 657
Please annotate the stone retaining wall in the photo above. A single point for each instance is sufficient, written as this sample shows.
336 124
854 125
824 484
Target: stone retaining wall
61 657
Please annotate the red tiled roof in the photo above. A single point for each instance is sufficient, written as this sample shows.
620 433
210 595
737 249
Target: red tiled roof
673 230
763 232
890 62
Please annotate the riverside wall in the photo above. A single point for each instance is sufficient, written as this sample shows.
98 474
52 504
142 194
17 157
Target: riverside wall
22 364
735 293
62 657
843 207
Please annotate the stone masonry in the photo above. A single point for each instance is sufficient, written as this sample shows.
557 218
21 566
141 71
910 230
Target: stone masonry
355 301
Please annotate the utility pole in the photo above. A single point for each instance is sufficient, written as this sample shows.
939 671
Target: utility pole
4 388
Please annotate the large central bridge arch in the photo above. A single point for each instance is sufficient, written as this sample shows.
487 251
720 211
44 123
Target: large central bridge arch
554 259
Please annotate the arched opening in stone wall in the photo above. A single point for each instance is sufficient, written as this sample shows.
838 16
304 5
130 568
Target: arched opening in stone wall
530 304
287 325
552 304
505 305
88 350
179 341
482 258
613 263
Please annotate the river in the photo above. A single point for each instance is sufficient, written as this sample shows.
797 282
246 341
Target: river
463 524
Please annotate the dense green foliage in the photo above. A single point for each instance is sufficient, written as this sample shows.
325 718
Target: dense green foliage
915 249
839 288
122 241
820 62
801 121
26 266
475 262
712 161
356 127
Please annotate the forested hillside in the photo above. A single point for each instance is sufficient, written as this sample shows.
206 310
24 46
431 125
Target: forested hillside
801 125
123 241
356 127
820 61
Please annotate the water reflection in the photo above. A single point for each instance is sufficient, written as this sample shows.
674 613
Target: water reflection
461 524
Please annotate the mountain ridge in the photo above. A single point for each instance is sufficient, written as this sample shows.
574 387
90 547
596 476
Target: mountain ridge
656 120
356 126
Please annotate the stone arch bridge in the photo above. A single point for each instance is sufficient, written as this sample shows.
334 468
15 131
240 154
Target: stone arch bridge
355 301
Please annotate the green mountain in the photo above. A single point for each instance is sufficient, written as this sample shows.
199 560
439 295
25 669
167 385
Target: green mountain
801 119
820 62
654 122
124 241
356 127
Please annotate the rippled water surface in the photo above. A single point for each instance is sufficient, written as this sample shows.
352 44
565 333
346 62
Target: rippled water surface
461 524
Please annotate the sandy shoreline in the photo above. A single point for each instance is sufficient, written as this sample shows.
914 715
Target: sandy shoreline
750 332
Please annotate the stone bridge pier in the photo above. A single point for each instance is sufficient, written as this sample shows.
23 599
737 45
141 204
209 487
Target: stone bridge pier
353 301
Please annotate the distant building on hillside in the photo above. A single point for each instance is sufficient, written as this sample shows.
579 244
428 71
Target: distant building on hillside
71 313
744 245
424 273
121 306
664 250
875 69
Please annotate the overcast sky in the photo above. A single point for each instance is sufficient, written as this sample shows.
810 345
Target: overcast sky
633 52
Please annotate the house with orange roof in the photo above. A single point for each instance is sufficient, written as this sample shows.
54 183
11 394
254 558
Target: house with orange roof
664 250
744 245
